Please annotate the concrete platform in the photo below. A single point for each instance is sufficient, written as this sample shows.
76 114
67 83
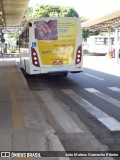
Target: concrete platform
23 124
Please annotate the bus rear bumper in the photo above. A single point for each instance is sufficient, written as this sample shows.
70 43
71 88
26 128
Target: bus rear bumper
56 70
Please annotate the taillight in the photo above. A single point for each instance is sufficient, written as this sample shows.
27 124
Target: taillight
35 60
79 54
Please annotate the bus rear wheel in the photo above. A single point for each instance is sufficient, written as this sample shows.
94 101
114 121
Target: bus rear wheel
65 74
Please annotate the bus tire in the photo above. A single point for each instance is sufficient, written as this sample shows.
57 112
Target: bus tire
65 74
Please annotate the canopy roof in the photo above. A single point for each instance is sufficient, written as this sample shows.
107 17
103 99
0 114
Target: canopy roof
12 12
111 20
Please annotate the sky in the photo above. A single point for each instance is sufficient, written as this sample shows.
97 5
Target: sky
88 8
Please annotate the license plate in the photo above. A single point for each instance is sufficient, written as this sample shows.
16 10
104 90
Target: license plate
57 62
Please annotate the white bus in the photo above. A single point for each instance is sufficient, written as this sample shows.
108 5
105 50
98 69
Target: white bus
52 46
99 44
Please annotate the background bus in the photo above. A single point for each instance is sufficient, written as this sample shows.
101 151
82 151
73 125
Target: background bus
99 44
51 45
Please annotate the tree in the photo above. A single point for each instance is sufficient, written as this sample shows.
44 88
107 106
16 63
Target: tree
51 11
29 12
13 35
87 33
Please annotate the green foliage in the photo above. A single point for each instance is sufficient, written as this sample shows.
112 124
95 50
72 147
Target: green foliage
29 12
51 11
87 33
13 35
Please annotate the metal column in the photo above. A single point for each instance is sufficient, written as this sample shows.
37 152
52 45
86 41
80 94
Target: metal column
109 43
117 45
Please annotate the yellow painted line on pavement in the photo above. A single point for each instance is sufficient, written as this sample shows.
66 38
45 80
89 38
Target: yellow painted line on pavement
17 117
18 122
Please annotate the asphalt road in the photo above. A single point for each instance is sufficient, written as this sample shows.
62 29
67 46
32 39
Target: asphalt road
83 108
